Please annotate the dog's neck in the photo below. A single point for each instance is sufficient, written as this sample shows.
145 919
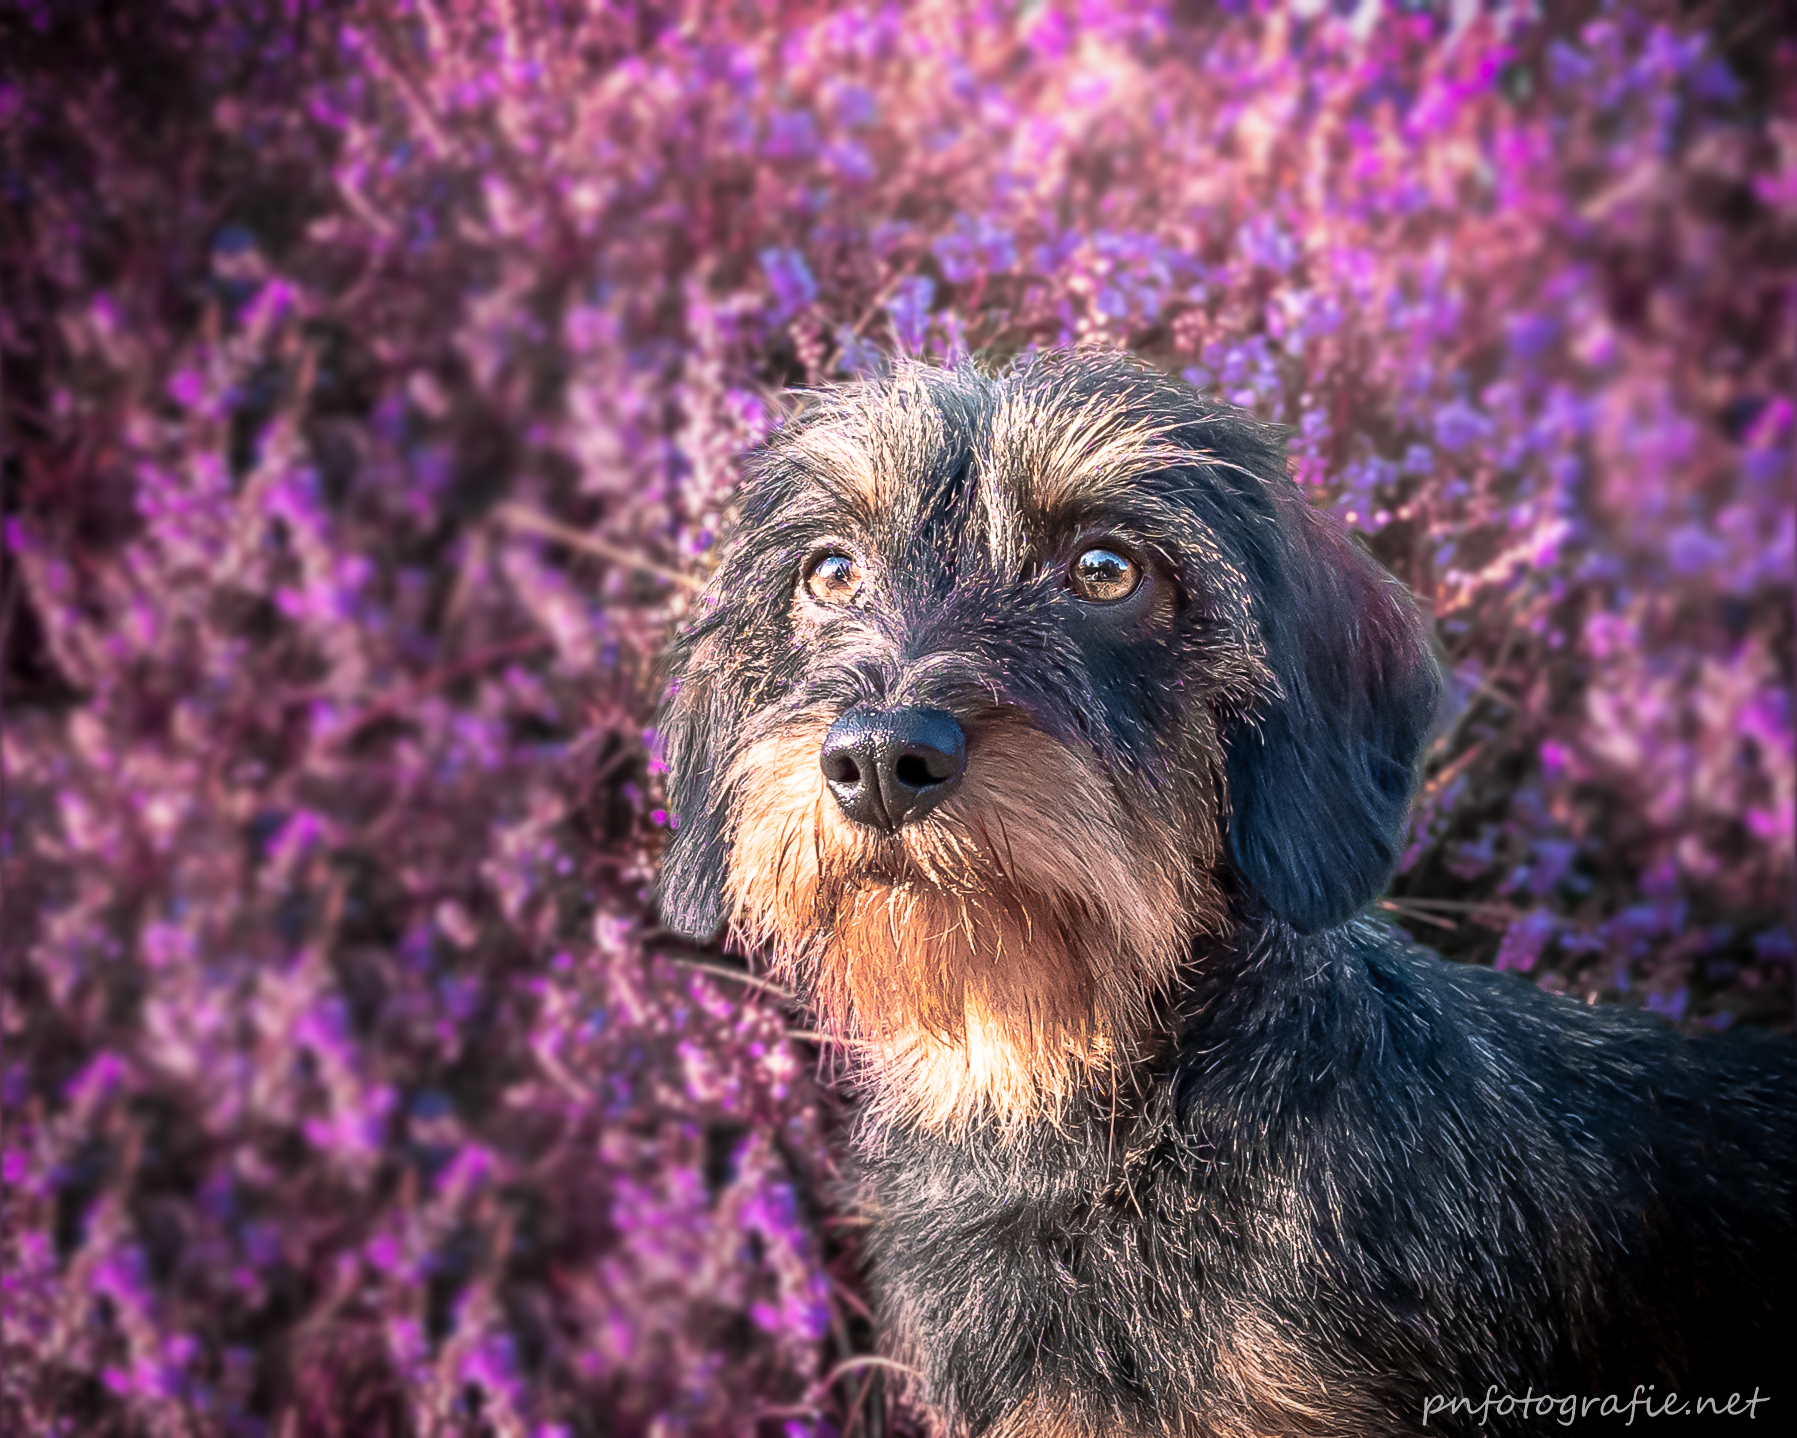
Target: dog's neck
1003 1085
1002 1081
1042 1066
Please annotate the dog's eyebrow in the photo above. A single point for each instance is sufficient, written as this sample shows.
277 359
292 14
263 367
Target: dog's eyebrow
1054 459
862 443
836 454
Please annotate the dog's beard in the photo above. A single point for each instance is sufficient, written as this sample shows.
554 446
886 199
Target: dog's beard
990 961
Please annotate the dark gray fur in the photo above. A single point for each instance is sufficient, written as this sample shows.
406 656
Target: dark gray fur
1424 1178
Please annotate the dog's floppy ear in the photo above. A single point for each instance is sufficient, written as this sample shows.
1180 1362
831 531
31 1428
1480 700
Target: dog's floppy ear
1320 775
690 728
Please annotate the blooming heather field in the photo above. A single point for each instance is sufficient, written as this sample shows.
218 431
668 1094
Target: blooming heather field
373 377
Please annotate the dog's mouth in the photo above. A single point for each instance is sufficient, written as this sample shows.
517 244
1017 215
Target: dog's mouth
1019 931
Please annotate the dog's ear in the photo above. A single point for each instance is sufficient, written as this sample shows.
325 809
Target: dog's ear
1320 775
690 729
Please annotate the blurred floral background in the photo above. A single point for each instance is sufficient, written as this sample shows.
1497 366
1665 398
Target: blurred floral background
373 377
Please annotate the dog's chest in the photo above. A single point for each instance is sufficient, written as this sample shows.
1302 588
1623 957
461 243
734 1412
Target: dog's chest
1021 1282
1128 1283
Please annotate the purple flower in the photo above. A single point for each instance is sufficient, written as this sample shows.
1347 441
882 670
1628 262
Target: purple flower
1524 940
975 246
790 276
791 135
1458 424
909 309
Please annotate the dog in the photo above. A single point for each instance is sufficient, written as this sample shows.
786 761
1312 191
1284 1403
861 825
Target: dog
1052 746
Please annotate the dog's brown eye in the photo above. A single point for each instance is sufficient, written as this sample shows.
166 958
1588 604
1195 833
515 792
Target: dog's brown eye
833 579
1103 576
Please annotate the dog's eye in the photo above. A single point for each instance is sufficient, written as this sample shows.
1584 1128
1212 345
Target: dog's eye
833 579
1103 576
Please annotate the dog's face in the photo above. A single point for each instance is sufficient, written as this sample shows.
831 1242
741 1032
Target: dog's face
999 684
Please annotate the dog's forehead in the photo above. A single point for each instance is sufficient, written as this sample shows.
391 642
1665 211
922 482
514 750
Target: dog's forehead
923 467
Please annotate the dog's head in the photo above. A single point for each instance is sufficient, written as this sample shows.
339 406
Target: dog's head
995 678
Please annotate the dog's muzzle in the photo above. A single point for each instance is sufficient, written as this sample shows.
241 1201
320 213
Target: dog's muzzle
889 767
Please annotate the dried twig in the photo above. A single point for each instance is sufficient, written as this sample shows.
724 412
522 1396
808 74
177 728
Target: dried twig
515 516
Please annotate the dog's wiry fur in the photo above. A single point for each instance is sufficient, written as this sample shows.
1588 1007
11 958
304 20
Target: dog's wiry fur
984 961
1159 1136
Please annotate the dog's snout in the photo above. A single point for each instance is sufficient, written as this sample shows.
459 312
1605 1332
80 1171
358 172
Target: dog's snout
889 767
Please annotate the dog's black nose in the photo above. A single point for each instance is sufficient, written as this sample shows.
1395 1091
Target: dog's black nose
889 767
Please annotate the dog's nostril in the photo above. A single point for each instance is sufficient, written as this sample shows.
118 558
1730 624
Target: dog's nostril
850 764
914 771
891 767
921 755
841 769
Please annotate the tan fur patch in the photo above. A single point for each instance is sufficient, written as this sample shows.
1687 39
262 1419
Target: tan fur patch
859 441
1064 451
1266 1390
995 957
1272 1390
1042 1418
840 453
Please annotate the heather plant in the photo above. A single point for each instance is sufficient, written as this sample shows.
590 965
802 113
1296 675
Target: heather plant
374 374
